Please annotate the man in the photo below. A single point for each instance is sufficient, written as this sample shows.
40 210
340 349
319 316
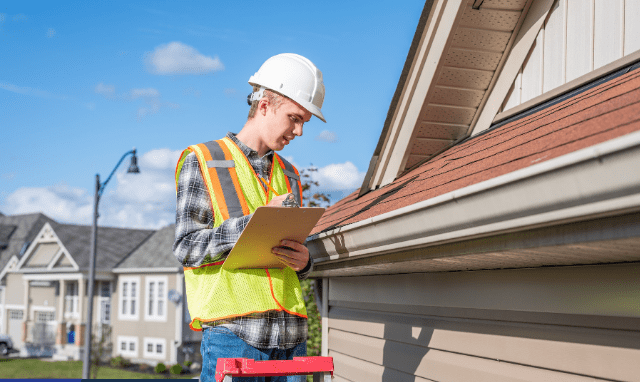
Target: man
250 313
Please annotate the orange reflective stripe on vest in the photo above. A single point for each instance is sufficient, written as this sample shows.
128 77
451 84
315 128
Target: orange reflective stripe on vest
222 170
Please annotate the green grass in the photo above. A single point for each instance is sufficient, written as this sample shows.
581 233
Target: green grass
35 368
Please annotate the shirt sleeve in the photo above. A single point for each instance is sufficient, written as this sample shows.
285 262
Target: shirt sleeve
196 241
306 271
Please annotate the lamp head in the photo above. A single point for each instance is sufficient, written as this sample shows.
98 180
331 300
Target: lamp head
133 167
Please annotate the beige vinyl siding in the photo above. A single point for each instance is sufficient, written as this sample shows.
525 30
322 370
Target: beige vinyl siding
142 328
43 296
42 255
578 37
551 324
14 290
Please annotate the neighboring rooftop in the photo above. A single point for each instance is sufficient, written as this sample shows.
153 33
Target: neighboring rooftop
156 252
16 232
114 244
599 114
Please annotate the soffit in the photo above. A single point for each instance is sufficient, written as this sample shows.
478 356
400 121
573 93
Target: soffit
469 65
449 75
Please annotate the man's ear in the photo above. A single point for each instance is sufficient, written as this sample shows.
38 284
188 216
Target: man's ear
263 105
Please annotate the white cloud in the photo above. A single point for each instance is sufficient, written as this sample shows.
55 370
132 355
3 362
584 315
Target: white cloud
337 179
151 98
178 58
339 176
31 91
147 199
106 90
60 202
145 93
51 32
327 136
144 200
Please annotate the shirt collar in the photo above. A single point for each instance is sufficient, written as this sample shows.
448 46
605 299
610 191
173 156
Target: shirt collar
246 150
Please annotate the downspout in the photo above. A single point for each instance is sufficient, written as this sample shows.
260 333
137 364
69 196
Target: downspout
179 316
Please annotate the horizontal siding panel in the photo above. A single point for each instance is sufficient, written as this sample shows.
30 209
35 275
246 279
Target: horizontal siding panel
353 369
598 353
565 290
434 365
450 367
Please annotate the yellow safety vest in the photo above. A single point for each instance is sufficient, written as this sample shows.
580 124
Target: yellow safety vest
234 188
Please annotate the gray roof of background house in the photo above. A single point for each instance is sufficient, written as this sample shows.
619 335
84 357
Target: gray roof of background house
156 252
18 230
114 244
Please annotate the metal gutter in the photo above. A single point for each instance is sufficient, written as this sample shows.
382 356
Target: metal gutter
600 180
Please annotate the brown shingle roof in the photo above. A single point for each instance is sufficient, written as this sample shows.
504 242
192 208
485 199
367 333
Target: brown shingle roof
604 112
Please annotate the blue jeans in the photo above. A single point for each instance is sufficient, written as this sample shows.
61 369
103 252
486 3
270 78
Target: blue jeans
220 342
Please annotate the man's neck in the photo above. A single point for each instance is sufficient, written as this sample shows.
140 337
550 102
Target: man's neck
250 137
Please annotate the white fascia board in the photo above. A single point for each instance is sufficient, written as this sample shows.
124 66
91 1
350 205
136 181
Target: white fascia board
34 244
13 261
53 276
438 30
594 181
146 270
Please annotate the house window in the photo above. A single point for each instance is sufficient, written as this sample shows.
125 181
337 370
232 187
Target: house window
154 348
105 302
128 346
156 298
45 317
129 296
16 314
71 300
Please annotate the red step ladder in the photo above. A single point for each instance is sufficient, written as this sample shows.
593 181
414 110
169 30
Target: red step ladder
320 367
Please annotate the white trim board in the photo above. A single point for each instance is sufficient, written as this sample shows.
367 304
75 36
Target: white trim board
146 270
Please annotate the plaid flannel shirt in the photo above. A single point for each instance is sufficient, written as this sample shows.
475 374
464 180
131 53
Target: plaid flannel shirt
197 242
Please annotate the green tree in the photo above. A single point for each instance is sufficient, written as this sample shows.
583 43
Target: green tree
311 197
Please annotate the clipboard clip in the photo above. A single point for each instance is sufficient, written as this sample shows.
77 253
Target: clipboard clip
290 201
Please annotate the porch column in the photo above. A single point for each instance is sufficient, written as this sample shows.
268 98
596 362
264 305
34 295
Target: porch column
27 311
61 332
80 333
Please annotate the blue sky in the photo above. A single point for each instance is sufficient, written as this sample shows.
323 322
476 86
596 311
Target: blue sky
83 82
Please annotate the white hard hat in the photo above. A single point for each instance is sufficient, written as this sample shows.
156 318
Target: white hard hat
294 77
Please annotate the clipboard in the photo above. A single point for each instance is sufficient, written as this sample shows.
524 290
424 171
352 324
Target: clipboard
265 229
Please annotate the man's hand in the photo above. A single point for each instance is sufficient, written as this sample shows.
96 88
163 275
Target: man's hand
292 254
277 201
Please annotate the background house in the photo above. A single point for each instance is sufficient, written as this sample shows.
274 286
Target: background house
138 301
496 235
152 321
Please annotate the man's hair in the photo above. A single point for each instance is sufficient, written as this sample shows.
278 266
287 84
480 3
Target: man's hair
274 99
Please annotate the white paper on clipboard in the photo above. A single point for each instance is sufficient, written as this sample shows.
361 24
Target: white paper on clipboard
266 228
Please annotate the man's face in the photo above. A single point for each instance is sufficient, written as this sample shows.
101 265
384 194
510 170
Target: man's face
283 125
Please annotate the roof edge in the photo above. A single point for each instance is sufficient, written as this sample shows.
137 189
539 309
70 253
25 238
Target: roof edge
563 192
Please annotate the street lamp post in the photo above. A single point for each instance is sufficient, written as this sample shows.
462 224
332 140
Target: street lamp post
133 168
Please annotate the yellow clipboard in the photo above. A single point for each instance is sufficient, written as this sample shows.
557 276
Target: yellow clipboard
265 229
